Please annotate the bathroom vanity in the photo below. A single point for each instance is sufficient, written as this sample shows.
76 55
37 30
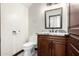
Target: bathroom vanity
51 45
57 44
54 42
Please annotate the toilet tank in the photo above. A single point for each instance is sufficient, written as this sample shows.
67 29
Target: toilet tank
33 38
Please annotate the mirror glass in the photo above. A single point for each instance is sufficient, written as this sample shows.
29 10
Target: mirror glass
53 19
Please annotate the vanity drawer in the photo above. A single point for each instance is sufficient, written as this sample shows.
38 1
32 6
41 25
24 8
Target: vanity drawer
58 39
43 36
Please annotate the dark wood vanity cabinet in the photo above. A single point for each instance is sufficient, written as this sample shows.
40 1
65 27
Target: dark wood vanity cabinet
49 45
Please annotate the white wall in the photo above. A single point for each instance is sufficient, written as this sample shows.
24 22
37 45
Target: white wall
37 19
14 17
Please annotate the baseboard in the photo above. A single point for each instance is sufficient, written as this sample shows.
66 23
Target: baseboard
18 52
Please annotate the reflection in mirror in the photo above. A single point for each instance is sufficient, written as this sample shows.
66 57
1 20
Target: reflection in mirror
54 21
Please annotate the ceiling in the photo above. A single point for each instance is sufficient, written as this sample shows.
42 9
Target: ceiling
27 4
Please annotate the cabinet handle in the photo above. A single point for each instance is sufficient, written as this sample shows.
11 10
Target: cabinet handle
49 45
52 45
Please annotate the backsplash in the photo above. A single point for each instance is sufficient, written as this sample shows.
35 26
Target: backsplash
54 31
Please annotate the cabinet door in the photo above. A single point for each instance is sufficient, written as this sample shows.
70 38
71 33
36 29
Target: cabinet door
59 49
59 45
43 45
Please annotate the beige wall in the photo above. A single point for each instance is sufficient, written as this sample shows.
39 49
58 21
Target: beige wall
37 20
14 17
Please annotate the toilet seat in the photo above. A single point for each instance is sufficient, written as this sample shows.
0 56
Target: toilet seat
28 44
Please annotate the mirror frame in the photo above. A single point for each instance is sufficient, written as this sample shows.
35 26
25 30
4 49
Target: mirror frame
53 15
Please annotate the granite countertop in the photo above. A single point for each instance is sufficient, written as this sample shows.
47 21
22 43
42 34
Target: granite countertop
56 34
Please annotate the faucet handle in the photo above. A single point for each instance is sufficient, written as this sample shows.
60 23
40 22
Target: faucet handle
52 30
49 30
56 31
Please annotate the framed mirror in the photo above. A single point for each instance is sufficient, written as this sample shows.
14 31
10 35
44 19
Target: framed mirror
53 19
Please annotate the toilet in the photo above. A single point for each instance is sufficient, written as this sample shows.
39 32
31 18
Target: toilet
29 47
